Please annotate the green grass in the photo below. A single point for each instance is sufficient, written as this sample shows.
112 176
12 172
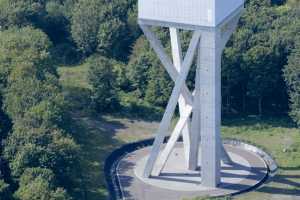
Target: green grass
276 135
76 88
98 136
208 198
74 76
279 138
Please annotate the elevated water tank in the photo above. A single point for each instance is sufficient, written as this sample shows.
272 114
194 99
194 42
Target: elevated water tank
209 13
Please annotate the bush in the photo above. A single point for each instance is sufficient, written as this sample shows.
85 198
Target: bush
134 107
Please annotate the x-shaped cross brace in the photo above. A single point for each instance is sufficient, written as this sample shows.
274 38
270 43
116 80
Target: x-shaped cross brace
179 88
178 73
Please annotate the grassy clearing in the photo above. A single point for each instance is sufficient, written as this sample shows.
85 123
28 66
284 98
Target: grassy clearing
74 76
100 135
278 137
76 88
97 135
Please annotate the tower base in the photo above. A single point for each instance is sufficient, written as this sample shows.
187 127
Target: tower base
176 182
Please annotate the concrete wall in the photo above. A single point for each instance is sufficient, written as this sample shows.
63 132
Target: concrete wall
191 12
225 7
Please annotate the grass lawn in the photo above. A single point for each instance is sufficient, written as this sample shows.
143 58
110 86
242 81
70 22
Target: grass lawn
279 138
74 76
100 135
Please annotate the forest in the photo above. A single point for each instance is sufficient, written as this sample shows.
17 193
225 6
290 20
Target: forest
39 152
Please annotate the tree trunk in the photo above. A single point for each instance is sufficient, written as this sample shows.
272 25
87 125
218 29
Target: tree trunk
260 106
244 103
228 103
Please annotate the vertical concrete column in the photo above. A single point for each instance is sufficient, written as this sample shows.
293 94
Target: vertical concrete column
210 81
195 125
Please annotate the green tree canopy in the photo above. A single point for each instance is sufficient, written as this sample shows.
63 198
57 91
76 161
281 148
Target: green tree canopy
103 81
51 16
26 48
38 184
5 192
292 77
101 25
24 93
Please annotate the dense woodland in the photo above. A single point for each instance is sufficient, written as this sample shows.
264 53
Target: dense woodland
260 76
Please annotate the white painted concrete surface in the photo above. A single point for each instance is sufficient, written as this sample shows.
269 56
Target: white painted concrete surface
206 103
191 12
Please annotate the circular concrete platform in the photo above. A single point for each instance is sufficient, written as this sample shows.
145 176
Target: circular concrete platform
175 182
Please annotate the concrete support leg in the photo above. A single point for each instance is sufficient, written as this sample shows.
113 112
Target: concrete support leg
210 81
177 60
177 91
195 129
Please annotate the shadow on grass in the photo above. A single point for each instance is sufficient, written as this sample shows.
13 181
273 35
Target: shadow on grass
139 113
78 98
95 135
289 178
291 168
285 184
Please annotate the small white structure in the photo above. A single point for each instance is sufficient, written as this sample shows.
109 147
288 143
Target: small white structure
213 22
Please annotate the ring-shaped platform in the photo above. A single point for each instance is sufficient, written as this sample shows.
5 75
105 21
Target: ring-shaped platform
175 182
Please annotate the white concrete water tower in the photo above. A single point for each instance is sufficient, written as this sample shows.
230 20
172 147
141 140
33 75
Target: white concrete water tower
213 22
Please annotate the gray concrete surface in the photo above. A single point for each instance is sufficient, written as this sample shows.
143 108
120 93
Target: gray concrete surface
176 183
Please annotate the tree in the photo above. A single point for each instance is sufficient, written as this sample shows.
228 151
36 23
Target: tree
101 25
36 108
39 184
159 87
49 15
148 79
26 92
254 58
103 80
234 78
33 100
18 12
139 64
5 124
5 193
264 74
292 78
36 147
25 48
109 34
86 19
133 27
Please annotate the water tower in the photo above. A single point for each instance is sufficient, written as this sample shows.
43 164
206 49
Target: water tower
212 23
201 164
